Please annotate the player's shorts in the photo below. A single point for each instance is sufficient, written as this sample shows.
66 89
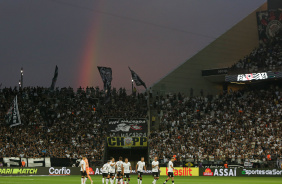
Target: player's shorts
112 174
105 174
83 173
126 175
119 174
140 173
156 174
170 174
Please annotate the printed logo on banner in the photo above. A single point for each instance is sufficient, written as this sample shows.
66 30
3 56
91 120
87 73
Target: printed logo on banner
208 172
136 127
18 171
225 172
91 171
122 127
181 171
269 24
61 171
273 28
252 76
127 128
262 172
128 141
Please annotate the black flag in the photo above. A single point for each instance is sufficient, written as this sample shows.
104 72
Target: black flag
106 75
54 80
13 115
138 81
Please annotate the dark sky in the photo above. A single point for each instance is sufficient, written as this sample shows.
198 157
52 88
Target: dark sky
152 37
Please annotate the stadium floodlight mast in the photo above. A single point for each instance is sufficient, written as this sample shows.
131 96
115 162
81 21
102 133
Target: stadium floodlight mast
21 85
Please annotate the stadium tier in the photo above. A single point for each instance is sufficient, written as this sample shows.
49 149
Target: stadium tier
234 127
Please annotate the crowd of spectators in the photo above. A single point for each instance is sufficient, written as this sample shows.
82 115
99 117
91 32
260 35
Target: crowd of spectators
66 124
234 126
267 57
63 123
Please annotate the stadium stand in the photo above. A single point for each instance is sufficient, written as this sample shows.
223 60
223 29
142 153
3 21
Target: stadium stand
232 127
267 57
63 123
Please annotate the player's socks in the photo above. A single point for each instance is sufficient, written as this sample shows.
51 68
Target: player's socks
103 180
85 180
165 181
172 182
82 181
140 181
121 181
107 181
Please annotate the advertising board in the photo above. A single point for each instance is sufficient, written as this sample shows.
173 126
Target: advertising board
181 171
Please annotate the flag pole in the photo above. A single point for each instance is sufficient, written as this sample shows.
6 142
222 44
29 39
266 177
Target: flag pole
20 85
22 78
132 86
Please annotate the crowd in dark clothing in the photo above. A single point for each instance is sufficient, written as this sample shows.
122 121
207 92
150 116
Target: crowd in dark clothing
267 57
234 126
63 123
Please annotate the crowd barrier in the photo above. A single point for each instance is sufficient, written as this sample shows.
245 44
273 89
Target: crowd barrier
242 172
6 171
48 171
181 171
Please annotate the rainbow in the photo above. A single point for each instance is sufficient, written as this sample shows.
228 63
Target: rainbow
88 62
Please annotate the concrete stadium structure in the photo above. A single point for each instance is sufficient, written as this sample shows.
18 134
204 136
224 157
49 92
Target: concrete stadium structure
231 46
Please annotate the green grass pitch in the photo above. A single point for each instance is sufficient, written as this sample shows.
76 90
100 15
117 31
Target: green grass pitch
146 180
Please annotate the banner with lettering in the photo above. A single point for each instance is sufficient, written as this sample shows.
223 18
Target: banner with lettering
118 127
128 142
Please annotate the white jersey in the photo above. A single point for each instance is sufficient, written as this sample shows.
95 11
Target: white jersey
140 166
155 169
106 168
119 164
112 168
170 165
82 165
126 167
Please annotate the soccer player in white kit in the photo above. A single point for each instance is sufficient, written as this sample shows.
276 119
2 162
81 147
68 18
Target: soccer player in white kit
105 171
126 170
119 166
155 170
112 170
82 170
170 170
140 167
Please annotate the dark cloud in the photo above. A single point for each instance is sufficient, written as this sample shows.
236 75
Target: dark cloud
153 37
